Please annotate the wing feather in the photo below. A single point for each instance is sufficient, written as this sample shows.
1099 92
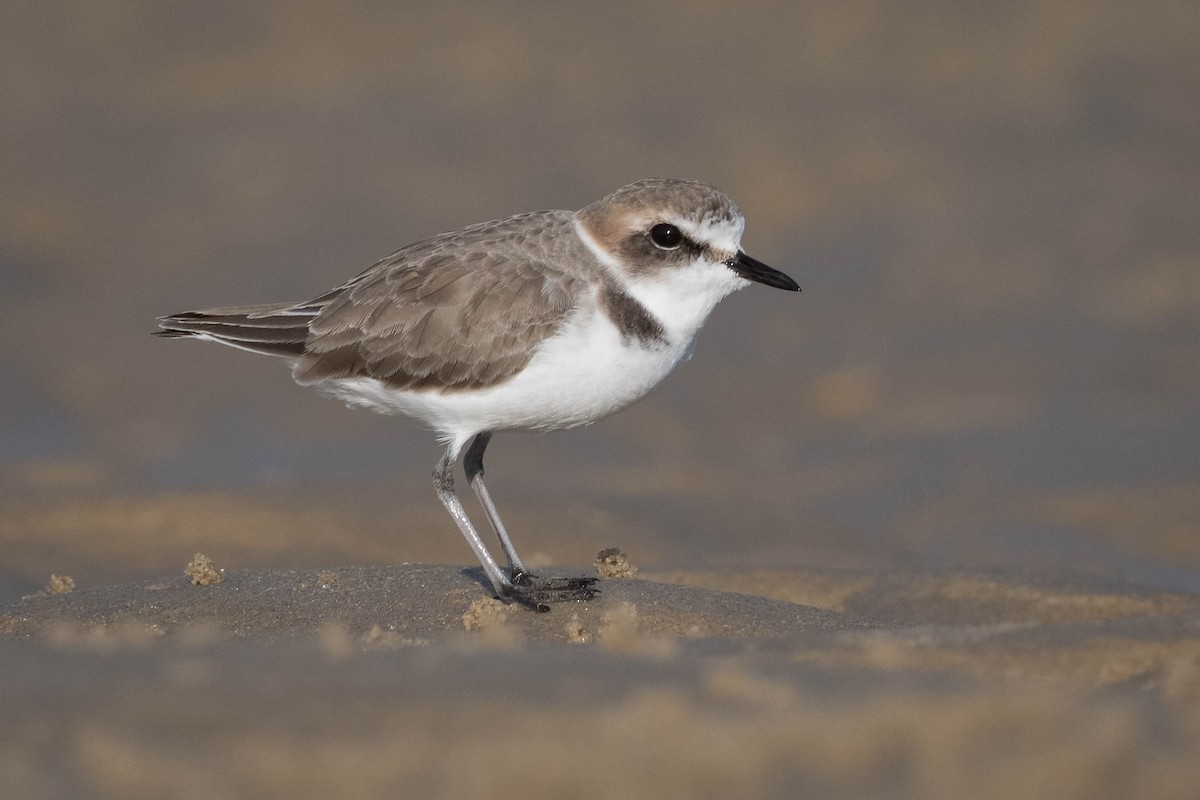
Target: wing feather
275 330
445 314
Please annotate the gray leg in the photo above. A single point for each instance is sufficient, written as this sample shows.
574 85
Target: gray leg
473 466
535 594
443 482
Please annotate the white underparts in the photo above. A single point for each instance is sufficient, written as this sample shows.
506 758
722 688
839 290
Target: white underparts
583 373
586 371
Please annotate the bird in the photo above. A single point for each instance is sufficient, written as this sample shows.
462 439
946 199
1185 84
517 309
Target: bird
541 321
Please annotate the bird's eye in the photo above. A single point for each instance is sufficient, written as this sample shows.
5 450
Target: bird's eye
668 237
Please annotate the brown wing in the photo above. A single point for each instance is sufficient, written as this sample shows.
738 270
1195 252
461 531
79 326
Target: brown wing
438 316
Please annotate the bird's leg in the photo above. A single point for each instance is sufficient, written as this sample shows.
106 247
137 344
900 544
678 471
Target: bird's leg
524 588
443 483
473 467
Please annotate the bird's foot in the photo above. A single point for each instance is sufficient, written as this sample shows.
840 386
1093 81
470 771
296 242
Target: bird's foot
538 593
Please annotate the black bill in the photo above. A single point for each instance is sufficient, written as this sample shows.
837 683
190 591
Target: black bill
754 270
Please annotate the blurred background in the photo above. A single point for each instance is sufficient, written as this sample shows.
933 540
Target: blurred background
992 209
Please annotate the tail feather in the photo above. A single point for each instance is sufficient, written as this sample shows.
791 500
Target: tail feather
276 330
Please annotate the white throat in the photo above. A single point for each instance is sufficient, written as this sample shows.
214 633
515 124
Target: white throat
681 298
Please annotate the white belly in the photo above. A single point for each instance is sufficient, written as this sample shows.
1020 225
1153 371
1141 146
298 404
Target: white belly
581 374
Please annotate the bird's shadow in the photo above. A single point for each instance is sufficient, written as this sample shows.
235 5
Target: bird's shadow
479 576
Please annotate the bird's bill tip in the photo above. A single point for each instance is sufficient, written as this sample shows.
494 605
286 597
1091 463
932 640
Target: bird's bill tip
754 270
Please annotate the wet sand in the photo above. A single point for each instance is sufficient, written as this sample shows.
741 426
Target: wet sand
412 681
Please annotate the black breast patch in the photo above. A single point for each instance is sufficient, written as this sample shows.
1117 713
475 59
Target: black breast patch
632 318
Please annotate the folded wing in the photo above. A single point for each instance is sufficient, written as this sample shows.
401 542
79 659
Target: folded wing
445 321
461 311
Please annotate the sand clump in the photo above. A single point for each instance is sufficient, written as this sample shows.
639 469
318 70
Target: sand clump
201 571
619 627
489 618
485 612
575 632
60 584
57 585
614 563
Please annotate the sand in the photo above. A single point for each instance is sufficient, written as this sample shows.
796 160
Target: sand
412 681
